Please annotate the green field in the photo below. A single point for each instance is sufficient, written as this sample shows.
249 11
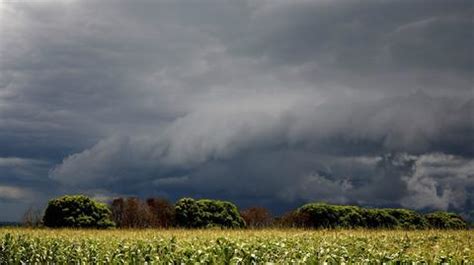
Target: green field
20 245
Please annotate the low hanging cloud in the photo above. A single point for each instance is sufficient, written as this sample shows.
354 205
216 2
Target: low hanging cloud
440 181
270 102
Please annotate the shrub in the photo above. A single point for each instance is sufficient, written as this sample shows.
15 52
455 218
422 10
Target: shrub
77 211
446 220
207 213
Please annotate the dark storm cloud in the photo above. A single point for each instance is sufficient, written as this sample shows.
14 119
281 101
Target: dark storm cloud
352 34
271 102
375 45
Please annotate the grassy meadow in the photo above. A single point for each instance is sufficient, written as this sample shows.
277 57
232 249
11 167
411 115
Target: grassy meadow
40 246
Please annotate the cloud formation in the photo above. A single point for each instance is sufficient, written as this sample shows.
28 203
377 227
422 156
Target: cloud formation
262 102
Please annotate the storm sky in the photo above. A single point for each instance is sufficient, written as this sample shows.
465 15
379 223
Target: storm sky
261 102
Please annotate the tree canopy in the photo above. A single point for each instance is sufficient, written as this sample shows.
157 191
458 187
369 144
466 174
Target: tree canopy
322 215
207 213
77 211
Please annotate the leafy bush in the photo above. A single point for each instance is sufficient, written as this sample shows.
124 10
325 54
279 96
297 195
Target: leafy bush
77 211
445 220
207 213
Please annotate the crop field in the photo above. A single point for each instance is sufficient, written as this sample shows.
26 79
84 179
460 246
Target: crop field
20 245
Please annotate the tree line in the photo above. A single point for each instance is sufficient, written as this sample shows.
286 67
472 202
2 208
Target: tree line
83 212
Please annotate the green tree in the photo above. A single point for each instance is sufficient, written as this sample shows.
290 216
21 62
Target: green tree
379 218
446 220
207 213
408 219
77 211
322 215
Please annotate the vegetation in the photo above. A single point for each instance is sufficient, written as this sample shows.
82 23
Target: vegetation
77 211
290 246
130 213
162 211
375 235
444 220
407 219
322 215
134 213
32 217
207 213
257 217
80 211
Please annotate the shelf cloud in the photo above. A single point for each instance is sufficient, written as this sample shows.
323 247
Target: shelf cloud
260 102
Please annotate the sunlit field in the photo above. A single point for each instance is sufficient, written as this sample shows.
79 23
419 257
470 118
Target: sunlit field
20 245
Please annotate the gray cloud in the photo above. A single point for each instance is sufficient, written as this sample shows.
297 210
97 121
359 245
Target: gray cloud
270 102
341 159
440 181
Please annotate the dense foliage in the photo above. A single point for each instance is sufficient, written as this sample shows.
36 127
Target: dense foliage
445 220
27 246
207 213
77 211
407 219
322 215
